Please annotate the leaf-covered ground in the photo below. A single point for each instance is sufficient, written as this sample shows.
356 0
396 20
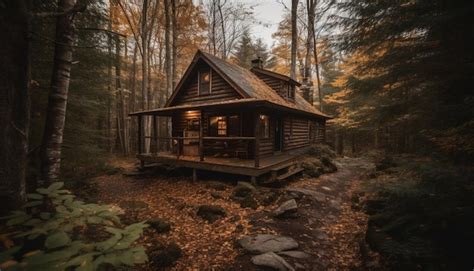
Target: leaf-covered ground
327 228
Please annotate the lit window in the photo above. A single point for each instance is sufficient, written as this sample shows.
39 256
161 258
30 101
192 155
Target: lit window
204 82
218 125
221 127
264 126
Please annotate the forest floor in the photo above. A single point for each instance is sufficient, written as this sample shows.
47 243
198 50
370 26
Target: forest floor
326 226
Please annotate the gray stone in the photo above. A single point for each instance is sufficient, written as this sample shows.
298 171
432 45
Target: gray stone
336 204
247 185
287 207
326 188
262 243
308 192
295 254
272 260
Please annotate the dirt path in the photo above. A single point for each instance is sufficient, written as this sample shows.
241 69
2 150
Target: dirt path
327 227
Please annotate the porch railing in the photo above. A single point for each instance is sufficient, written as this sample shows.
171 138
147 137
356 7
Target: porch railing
174 144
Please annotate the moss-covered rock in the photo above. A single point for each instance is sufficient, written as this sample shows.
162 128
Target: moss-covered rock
211 213
167 255
159 225
312 167
328 165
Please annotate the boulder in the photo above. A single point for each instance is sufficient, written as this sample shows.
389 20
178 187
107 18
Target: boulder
313 167
295 254
247 185
243 189
248 202
217 186
328 165
167 255
159 225
288 207
262 243
216 195
272 260
211 213
308 192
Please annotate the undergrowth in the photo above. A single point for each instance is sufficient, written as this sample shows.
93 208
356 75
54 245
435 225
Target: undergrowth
421 213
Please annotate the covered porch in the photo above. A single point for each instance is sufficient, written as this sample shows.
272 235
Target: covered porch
226 133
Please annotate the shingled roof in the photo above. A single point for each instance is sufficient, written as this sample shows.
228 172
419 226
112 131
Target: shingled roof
256 88
246 83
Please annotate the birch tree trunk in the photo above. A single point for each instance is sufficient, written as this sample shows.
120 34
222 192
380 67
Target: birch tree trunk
294 37
58 95
14 102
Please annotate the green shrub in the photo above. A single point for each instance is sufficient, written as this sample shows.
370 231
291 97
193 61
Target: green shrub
321 150
50 233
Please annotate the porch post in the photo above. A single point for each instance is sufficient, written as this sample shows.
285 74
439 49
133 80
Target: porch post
323 130
257 139
139 139
201 134
155 134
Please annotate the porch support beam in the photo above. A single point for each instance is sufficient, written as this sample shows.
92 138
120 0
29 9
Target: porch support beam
201 135
139 139
155 134
257 139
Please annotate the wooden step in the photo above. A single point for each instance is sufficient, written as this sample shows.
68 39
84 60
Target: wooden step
289 173
282 166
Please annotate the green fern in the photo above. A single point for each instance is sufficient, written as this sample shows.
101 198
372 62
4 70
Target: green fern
55 214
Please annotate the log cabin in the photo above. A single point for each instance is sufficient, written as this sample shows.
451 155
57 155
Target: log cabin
229 119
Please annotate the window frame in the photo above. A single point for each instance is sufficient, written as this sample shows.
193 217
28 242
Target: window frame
200 71
265 127
226 119
291 92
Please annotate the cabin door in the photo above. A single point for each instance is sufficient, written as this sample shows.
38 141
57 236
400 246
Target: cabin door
278 134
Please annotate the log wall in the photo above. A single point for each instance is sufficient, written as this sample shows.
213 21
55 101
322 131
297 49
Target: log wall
220 90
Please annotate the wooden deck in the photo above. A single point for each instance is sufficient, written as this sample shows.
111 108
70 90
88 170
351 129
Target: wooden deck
226 165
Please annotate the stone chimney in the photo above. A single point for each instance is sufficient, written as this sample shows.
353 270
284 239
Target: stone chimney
257 63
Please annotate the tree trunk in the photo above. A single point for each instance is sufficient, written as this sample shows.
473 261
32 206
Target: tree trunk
57 102
14 102
144 38
109 134
120 111
132 101
174 43
309 40
316 63
294 37
224 49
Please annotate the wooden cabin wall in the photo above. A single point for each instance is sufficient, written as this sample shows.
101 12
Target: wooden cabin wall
267 144
220 90
295 133
280 86
180 121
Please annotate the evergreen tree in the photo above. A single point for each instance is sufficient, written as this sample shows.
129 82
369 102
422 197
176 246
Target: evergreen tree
411 68
247 50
